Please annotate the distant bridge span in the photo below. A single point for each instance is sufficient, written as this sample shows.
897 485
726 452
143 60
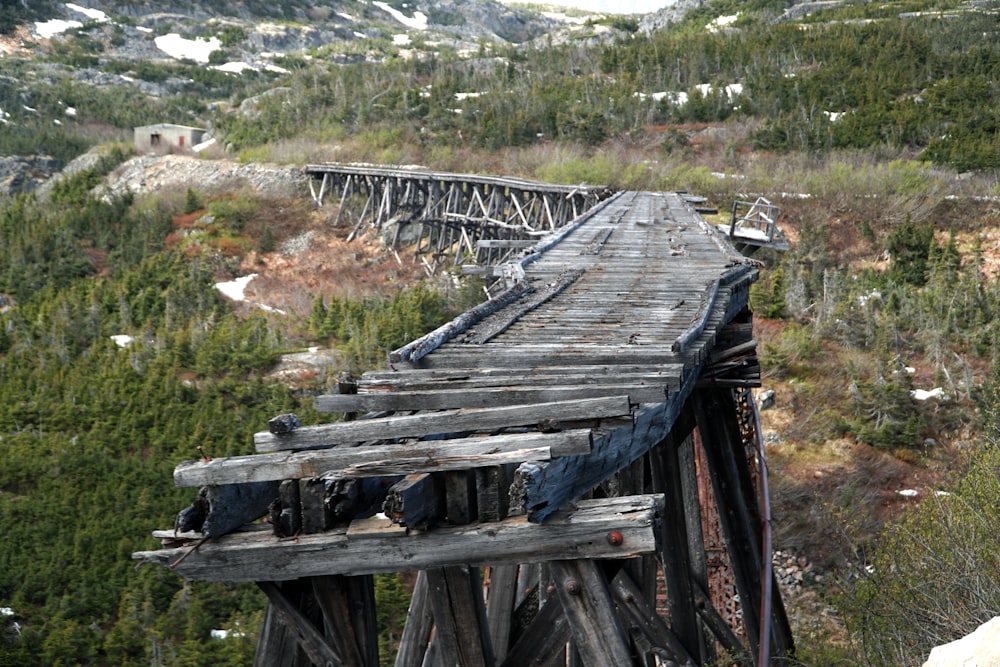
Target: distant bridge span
451 217
572 467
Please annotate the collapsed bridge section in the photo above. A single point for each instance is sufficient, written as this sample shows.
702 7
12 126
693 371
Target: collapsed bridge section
572 468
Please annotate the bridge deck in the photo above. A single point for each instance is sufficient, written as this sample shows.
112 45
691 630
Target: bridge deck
623 307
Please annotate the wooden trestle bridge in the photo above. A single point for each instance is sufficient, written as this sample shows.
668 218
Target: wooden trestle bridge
572 469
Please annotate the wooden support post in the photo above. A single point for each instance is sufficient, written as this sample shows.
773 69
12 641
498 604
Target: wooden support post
348 605
419 623
310 639
461 634
492 493
290 518
277 645
543 643
500 607
316 514
648 630
597 631
716 415
674 545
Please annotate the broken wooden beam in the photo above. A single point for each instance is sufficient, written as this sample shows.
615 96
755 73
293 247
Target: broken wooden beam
424 455
581 532
434 423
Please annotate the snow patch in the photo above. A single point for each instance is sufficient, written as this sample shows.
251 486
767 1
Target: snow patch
908 493
6 611
92 14
234 67
924 394
179 47
52 27
401 39
122 340
234 288
721 22
70 111
417 22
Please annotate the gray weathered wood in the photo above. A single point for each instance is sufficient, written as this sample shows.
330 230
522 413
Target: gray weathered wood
487 397
447 421
343 462
348 607
577 533
674 544
455 595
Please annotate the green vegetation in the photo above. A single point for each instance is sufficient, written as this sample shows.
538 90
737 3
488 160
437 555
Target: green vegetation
91 427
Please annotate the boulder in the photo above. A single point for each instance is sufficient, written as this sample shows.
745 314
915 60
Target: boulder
980 649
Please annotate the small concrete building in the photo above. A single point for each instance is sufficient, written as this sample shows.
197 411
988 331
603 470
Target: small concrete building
167 137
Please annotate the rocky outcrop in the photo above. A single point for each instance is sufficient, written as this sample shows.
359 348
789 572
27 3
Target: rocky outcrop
151 174
980 649
24 174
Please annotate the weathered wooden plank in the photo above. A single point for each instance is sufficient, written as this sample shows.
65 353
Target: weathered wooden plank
416 378
597 631
344 462
426 344
506 243
578 533
450 421
484 398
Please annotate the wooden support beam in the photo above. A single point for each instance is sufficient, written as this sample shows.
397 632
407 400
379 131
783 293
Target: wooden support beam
419 624
488 397
277 644
597 631
674 545
461 633
716 415
348 606
646 626
347 462
435 423
543 643
540 488
309 638
382 547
